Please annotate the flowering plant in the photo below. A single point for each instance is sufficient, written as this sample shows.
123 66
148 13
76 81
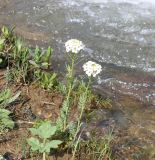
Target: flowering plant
92 68
74 46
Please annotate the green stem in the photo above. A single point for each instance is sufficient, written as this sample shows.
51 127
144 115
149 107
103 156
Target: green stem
79 120
67 109
70 84
83 107
72 70
44 154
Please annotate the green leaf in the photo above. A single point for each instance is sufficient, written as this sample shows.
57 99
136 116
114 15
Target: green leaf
19 44
2 41
5 31
5 95
37 55
1 60
5 119
4 113
34 131
47 55
52 144
12 99
34 63
46 130
34 143
8 123
42 148
44 64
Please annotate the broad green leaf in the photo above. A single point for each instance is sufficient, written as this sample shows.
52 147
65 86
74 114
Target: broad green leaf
42 148
34 143
46 130
52 144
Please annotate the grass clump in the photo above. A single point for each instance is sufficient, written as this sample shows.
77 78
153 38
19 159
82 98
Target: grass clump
96 148
24 64
14 54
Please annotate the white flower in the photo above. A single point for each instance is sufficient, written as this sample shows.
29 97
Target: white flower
74 46
92 68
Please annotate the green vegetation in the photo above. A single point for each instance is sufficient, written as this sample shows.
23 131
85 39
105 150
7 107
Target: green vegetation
44 132
5 121
6 97
25 66
98 149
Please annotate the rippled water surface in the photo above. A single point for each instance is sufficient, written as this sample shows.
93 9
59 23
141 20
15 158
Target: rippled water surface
119 34
116 32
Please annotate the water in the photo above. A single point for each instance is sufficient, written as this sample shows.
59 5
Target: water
115 32
118 34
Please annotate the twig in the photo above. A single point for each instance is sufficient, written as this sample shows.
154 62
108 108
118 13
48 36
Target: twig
50 103
22 122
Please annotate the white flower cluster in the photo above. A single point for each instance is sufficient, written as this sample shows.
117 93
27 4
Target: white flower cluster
74 46
92 68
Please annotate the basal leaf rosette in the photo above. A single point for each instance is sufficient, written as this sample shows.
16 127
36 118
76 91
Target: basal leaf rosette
92 68
74 46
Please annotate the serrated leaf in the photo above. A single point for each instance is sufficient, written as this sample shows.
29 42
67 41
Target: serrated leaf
51 144
34 143
46 130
